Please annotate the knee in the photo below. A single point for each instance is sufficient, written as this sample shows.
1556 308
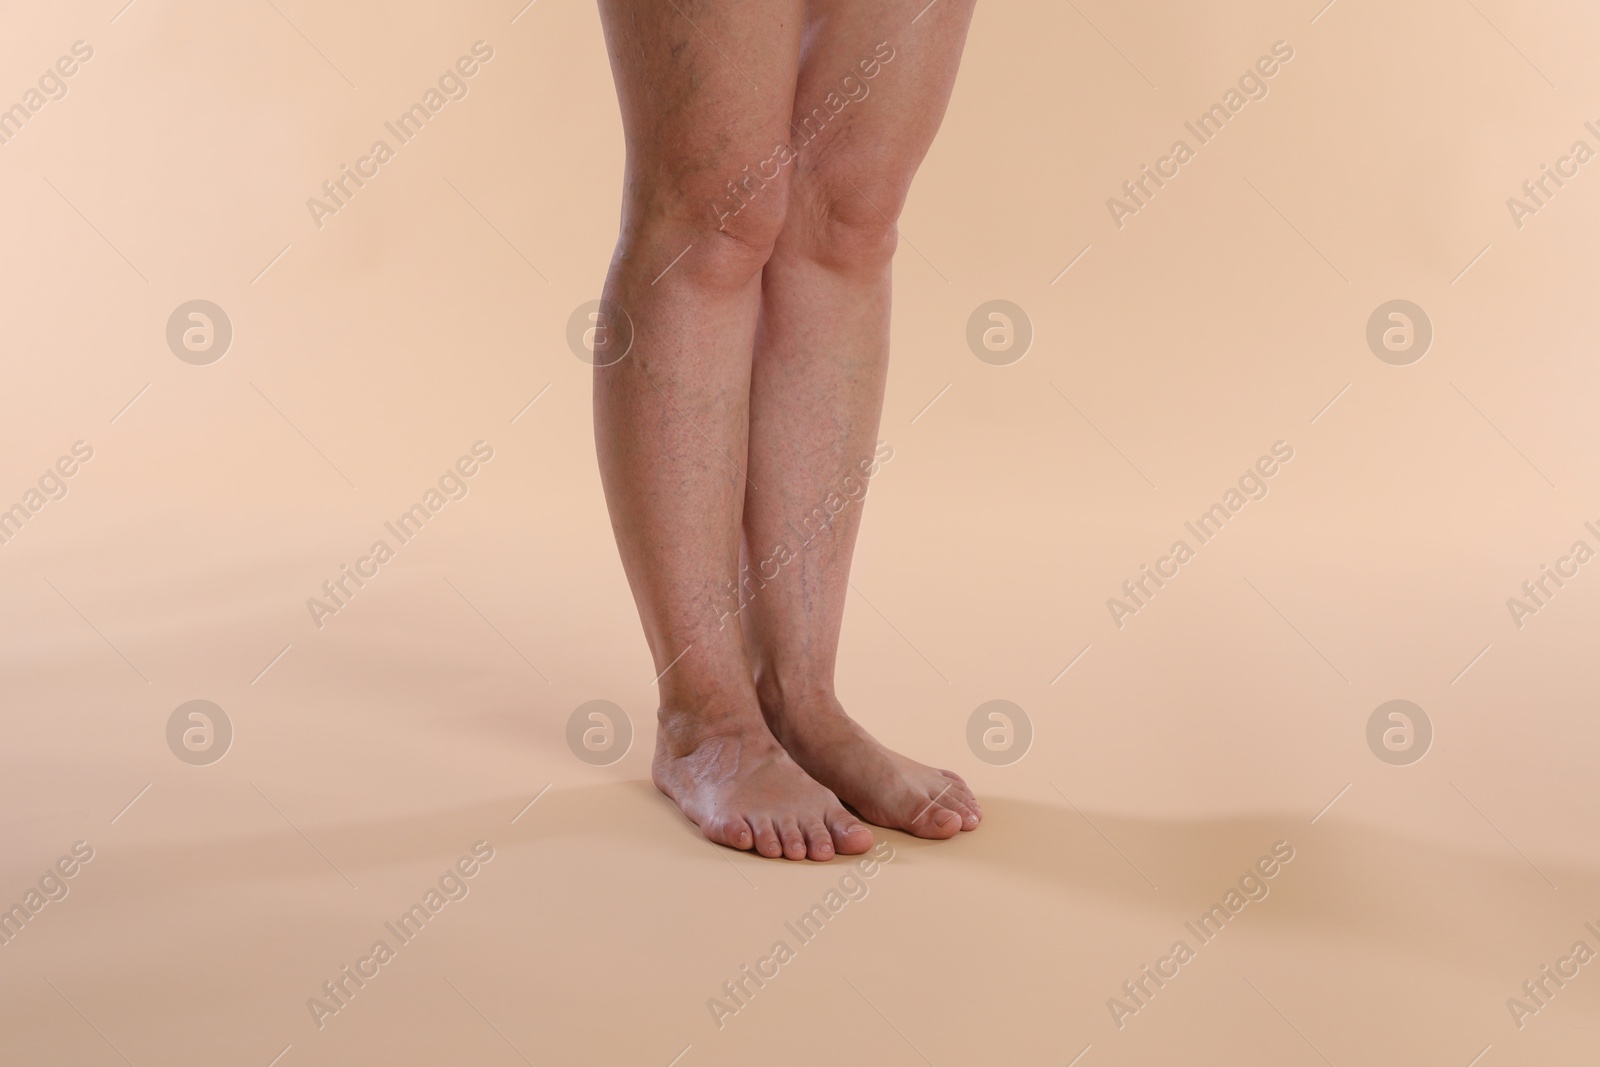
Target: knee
740 236
847 221
724 223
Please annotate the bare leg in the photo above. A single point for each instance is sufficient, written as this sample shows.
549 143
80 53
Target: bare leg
817 389
671 416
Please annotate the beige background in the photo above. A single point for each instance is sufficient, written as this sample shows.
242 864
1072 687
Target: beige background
425 316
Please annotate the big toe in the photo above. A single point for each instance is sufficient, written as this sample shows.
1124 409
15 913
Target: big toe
734 833
934 820
963 806
850 837
964 791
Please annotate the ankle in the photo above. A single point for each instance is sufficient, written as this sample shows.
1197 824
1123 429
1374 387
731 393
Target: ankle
779 695
683 727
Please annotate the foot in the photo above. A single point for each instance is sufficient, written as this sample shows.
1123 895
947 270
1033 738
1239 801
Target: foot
735 782
885 787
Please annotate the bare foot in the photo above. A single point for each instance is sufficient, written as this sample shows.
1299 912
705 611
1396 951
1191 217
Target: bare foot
741 788
885 787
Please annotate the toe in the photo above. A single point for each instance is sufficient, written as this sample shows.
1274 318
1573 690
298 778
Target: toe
766 838
930 818
959 799
963 807
850 837
734 833
819 843
794 843
965 792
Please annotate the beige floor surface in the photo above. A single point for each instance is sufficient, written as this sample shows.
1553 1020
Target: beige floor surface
428 716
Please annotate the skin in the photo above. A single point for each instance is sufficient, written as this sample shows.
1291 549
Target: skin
752 389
